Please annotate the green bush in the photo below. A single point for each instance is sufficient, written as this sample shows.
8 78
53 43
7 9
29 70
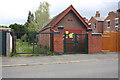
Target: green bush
23 47
34 54
16 55
48 53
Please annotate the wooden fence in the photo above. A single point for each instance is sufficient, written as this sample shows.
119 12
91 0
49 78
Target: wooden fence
111 42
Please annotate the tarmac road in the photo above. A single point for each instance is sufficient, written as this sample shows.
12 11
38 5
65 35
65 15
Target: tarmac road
97 68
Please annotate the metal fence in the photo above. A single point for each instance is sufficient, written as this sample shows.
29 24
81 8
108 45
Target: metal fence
27 43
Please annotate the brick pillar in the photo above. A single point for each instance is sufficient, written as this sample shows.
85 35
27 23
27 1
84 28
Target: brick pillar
89 42
58 43
94 43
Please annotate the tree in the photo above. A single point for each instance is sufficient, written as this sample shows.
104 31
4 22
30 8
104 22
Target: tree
30 17
4 26
18 29
30 24
39 19
42 15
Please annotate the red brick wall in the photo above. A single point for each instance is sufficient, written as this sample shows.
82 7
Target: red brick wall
94 43
44 39
71 21
58 43
58 38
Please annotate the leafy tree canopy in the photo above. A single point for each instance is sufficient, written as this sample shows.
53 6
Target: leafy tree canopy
39 19
18 29
3 26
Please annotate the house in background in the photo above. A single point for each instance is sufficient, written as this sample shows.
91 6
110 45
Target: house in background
97 23
105 25
111 22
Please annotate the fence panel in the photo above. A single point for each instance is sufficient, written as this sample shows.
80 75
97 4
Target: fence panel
110 41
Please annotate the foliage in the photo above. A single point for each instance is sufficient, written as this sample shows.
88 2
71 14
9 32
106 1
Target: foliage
37 20
30 24
18 28
16 55
25 47
34 54
48 53
44 51
4 26
42 15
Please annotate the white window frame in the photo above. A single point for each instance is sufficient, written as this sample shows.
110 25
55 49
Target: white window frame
94 25
116 19
107 23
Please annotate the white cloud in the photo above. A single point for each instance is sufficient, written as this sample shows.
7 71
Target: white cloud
11 10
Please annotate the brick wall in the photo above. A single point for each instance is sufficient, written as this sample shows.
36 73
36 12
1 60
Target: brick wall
58 43
94 43
44 38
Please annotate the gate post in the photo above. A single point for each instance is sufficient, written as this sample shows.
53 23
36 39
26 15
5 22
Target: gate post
13 44
58 43
94 43
89 41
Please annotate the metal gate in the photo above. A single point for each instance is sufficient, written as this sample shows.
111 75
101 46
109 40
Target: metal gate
26 42
76 44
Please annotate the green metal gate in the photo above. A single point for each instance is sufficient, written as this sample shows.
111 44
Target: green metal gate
29 43
26 43
77 44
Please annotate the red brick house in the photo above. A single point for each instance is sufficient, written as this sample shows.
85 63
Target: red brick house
67 33
111 22
97 23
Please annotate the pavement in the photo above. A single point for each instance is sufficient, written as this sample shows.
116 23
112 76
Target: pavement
57 59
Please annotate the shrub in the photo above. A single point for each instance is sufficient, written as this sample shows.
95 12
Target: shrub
48 53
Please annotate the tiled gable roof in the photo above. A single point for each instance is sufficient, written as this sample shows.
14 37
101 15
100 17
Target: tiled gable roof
57 18
99 18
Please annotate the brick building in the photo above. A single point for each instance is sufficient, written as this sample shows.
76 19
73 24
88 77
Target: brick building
105 25
68 33
97 23
111 22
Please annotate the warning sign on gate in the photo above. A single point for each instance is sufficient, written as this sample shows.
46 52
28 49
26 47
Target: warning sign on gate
71 35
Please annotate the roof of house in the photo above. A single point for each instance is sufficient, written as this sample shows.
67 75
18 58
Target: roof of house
57 18
99 18
51 21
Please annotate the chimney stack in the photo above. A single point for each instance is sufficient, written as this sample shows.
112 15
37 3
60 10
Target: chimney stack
97 14
86 20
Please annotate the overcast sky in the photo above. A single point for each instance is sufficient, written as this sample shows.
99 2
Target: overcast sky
16 11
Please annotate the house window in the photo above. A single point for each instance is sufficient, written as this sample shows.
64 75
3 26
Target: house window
116 22
89 24
108 23
94 25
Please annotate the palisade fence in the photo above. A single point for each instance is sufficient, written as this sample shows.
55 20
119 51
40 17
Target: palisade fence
111 42
27 43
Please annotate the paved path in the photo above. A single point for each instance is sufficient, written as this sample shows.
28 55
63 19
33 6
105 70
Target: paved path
60 59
